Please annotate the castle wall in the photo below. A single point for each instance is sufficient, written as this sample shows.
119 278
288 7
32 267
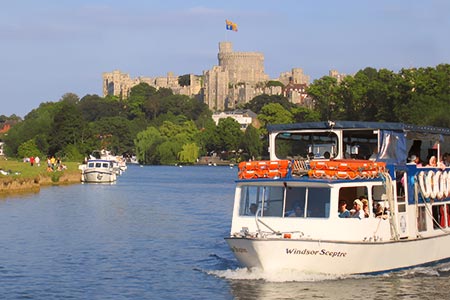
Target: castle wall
238 78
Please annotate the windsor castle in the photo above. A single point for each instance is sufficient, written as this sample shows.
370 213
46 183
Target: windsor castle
237 79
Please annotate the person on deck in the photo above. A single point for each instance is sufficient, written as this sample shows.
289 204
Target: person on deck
357 211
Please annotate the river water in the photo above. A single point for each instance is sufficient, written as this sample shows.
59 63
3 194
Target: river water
158 234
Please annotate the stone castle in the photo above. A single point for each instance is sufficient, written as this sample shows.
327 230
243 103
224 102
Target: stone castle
237 79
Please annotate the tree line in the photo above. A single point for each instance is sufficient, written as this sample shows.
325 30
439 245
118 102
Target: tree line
162 128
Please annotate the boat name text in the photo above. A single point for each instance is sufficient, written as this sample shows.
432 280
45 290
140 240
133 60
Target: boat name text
316 252
238 250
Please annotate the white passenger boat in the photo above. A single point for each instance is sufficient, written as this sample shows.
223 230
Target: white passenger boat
98 171
315 166
118 162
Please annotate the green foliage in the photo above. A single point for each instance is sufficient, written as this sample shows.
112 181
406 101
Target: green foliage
257 103
168 152
189 153
71 153
161 127
274 83
184 80
251 143
146 143
67 128
274 113
229 134
28 149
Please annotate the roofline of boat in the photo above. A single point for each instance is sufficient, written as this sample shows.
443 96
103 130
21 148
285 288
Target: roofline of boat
358 125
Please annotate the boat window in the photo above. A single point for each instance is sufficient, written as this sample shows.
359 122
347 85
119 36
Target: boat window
295 200
400 185
105 165
307 202
91 165
269 198
98 165
360 144
422 219
318 203
350 194
439 218
289 145
379 198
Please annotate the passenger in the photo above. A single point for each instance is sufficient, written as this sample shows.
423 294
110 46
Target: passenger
365 207
253 209
343 211
380 210
374 155
432 162
446 159
297 212
415 160
357 211
326 155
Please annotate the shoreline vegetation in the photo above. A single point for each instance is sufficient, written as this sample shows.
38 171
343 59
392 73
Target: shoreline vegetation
22 178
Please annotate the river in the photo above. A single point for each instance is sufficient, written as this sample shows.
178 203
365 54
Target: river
158 234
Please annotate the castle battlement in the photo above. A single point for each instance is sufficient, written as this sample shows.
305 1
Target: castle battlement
238 78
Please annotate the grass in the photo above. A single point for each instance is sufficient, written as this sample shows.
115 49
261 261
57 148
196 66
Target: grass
23 170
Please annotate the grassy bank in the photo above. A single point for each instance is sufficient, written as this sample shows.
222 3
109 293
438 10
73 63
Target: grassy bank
22 177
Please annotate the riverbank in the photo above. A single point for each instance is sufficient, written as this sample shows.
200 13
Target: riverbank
20 177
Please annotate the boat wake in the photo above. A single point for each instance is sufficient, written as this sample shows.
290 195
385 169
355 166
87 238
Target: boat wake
279 276
442 270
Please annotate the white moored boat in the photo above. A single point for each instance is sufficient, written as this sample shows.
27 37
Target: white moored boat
316 166
98 171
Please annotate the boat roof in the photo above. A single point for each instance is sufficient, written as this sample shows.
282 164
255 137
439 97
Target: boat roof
359 125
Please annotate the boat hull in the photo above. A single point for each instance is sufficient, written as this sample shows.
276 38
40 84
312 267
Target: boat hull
98 176
339 258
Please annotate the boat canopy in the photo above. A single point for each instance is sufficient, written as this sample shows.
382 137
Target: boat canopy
392 137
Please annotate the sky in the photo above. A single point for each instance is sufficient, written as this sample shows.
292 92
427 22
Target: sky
52 47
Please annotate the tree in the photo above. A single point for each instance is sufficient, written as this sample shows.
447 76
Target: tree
257 103
229 134
67 128
189 153
324 93
146 143
274 113
251 143
28 149
139 94
184 80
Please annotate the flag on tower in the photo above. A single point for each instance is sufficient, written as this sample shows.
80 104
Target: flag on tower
231 26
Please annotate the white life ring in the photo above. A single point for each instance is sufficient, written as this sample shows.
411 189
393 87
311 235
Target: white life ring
423 187
430 185
446 186
438 186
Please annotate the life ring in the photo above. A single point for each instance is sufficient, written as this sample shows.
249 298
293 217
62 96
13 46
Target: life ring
436 185
429 184
446 186
423 188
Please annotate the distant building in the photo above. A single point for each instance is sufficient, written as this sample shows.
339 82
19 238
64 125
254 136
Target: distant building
337 75
237 79
119 84
243 117
1 149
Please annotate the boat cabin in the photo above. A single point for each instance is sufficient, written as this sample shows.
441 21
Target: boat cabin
317 169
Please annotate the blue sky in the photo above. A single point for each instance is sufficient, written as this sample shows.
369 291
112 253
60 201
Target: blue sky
49 48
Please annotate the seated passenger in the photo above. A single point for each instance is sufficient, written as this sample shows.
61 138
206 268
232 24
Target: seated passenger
343 211
297 212
357 211
253 209
365 207
432 162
